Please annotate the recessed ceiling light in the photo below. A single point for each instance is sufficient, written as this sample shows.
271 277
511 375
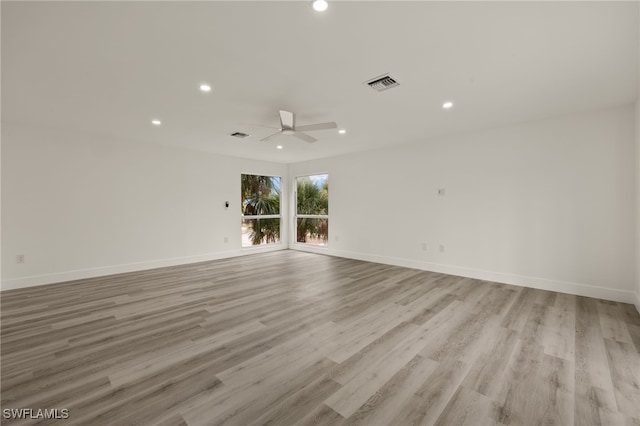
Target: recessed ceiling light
156 122
279 146
320 5
205 87
342 131
447 105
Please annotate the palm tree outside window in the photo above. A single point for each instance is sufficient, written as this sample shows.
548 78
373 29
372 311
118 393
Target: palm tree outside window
312 209
260 210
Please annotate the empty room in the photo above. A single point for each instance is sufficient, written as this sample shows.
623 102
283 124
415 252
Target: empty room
377 213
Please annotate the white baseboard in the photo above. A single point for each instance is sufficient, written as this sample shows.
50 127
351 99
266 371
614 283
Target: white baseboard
577 289
518 280
58 277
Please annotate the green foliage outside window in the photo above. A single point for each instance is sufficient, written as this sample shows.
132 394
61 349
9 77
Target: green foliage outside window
312 199
261 196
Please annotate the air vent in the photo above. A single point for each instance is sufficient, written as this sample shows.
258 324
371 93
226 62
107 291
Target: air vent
240 135
382 83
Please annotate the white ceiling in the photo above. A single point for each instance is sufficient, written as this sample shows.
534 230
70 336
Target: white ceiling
108 68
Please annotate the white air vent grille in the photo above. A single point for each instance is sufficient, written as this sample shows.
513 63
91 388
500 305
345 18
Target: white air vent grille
240 135
382 82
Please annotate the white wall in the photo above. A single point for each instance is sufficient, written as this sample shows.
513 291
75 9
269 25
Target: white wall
78 206
549 204
637 300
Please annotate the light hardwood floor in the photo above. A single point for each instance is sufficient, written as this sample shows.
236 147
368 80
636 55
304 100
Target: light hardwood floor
296 338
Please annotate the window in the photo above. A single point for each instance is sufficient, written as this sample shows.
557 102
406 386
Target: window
260 210
312 209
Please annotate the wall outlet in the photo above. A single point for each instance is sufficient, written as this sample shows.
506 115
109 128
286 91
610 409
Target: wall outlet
226 239
441 192
20 258
424 246
441 248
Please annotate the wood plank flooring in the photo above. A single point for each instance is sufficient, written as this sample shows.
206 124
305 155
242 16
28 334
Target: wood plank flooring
292 338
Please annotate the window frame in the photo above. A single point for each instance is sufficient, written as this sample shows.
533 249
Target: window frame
244 217
296 216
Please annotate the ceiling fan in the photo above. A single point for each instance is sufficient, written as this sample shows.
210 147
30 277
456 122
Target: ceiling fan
288 127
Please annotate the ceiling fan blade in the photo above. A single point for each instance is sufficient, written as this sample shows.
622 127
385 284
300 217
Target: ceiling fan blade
319 126
260 125
287 119
305 137
271 136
